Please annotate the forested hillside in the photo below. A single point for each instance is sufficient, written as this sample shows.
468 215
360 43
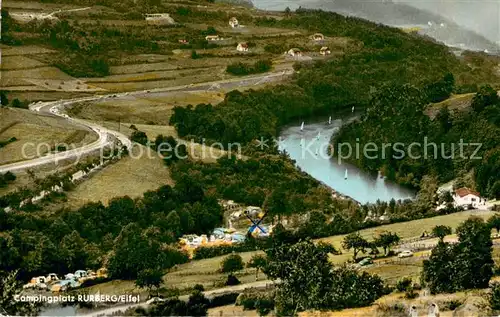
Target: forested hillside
397 115
386 59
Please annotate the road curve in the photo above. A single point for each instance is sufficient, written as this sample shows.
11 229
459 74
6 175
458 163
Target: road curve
108 137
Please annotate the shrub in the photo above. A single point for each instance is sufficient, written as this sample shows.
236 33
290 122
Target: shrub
195 55
232 280
495 296
410 294
231 263
223 300
247 300
240 69
451 304
404 284
264 305
211 252
139 137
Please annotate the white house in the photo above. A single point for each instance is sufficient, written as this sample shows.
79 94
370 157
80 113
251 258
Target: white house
159 18
213 38
465 197
325 51
318 37
294 52
242 47
233 22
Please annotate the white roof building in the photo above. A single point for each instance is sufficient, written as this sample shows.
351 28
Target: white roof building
242 47
233 22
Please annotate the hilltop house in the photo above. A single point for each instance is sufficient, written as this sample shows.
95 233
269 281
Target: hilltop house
213 38
294 52
242 47
318 37
233 22
325 51
464 197
159 18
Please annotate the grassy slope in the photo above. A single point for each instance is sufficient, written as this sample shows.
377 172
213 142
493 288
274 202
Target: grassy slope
128 177
30 128
204 271
151 109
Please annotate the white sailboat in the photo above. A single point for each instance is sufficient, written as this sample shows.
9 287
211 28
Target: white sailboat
352 109
345 175
319 134
302 126
317 151
330 120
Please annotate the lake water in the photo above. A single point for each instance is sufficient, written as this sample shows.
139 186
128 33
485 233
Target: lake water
309 148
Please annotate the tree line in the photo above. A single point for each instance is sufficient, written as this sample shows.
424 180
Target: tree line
404 119
128 235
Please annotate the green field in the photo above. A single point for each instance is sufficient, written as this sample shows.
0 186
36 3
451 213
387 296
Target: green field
204 271
415 228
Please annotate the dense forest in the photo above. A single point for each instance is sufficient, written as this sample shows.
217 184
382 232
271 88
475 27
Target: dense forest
126 236
389 120
387 56
372 77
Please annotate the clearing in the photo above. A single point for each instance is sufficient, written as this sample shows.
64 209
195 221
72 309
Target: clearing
131 176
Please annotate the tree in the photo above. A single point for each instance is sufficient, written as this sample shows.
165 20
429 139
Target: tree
197 304
494 297
149 278
137 250
10 289
72 248
474 254
441 231
258 262
231 263
466 265
4 101
494 222
355 242
385 240
486 96
309 280
139 137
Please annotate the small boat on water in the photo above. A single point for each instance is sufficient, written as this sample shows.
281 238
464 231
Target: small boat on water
302 126
330 120
345 175
352 109
319 134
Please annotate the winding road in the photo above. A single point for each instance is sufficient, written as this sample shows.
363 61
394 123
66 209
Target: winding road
107 137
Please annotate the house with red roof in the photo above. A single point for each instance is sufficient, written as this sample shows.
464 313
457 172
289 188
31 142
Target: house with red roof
466 197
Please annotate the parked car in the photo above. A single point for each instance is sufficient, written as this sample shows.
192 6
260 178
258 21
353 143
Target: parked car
405 254
365 261
52 277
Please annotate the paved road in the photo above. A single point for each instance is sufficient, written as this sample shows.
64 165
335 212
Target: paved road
107 136
237 288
